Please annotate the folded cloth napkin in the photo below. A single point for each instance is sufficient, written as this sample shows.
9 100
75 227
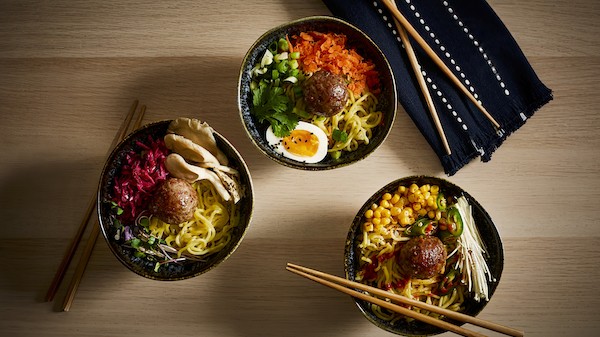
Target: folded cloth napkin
474 43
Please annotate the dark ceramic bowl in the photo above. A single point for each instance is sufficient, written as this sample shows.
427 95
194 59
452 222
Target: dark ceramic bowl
171 271
357 40
489 235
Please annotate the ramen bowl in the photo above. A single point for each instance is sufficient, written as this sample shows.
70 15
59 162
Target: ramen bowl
494 256
113 229
356 40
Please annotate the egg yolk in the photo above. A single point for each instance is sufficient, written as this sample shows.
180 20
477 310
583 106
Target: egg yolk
301 143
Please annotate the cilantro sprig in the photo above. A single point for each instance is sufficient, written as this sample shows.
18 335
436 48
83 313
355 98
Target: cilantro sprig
339 135
276 89
272 105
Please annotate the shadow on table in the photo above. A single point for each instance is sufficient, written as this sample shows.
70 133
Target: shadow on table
263 299
42 207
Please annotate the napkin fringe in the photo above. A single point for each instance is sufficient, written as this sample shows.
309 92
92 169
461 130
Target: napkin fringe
453 165
518 122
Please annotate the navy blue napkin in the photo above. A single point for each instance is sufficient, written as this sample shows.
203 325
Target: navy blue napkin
472 41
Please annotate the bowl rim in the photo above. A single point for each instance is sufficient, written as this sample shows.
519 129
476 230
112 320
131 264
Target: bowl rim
303 166
349 247
99 200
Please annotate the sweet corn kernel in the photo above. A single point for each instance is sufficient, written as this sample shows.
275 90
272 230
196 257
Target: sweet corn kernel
384 204
406 212
386 221
377 214
387 196
422 212
413 188
395 198
430 201
374 206
431 214
416 206
402 189
435 189
425 188
369 214
376 221
395 211
386 213
404 220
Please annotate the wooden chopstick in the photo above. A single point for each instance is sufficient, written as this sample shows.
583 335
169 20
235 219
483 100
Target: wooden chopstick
391 6
68 257
417 70
341 284
89 246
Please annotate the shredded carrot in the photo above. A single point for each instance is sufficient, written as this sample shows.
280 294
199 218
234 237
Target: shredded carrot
328 51
289 43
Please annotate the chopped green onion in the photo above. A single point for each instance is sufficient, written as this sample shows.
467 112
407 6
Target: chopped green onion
295 55
280 57
135 243
267 59
274 74
156 266
283 45
273 47
294 64
282 67
290 79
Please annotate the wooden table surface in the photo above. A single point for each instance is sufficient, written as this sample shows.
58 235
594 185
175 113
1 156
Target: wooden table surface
69 71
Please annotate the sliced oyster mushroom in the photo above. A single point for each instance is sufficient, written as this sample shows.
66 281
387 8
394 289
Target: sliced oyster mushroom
190 150
179 168
200 133
231 184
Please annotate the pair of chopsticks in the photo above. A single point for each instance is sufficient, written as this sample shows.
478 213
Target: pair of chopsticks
95 231
404 27
347 287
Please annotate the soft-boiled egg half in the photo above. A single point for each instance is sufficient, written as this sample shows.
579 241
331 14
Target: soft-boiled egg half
306 143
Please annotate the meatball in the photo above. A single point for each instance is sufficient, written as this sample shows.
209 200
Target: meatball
174 201
422 257
325 93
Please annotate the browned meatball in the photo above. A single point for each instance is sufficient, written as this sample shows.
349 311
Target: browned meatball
325 93
174 201
422 257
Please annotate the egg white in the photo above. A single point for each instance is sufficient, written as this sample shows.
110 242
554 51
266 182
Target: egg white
277 144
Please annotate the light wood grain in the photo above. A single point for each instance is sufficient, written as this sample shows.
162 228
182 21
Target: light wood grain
69 70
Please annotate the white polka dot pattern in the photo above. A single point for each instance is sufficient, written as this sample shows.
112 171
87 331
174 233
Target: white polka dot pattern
434 87
439 44
476 44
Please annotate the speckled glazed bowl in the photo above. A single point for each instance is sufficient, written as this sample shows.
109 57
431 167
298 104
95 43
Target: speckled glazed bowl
487 230
357 40
171 271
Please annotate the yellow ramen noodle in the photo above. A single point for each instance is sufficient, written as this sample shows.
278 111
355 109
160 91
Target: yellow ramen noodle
358 119
383 234
208 232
